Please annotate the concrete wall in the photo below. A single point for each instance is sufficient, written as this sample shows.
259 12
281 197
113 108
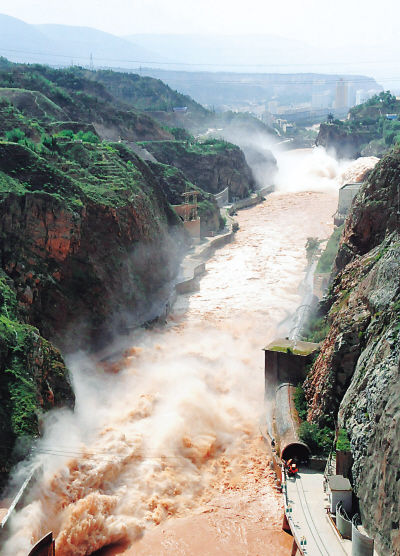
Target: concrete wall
193 227
184 211
285 367
344 525
189 283
361 544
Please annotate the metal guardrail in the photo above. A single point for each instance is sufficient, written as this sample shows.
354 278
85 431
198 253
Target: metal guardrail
302 541
20 494
222 197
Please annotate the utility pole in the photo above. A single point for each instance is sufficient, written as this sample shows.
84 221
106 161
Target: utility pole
91 62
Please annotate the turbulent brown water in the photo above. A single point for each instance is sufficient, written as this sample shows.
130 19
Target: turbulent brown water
166 455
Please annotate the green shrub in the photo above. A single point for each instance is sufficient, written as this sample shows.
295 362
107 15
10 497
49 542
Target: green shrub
180 134
49 142
66 133
316 329
87 137
343 442
15 135
327 258
300 402
319 440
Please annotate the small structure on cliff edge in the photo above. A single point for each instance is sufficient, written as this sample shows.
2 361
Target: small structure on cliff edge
286 361
188 212
346 195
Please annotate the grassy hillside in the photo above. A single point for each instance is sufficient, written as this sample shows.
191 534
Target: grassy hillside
143 93
52 95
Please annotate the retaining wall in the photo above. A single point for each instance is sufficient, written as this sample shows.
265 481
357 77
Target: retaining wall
189 282
253 199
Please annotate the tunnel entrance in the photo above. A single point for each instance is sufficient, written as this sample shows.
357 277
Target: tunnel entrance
299 451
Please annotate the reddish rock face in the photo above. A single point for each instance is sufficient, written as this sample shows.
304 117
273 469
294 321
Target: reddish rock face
76 269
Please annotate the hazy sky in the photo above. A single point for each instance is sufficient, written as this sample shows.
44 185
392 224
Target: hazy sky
337 22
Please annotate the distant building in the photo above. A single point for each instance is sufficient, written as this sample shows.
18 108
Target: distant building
284 125
342 95
273 106
180 109
321 100
391 116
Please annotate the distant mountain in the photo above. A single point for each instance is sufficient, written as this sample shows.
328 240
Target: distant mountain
106 49
63 44
222 52
18 38
224 89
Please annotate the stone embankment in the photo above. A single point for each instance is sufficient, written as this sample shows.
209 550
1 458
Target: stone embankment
193 265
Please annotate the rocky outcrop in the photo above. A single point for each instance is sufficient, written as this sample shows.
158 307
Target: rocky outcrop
212 165
356 377
75 270
346 144
33 378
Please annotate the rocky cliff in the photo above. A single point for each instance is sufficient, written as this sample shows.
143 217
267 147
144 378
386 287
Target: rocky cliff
356 378
213 165
345 143
84 248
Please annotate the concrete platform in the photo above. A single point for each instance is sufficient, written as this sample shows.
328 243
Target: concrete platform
309 519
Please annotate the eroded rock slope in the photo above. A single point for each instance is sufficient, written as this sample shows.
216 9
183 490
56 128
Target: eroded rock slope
356 376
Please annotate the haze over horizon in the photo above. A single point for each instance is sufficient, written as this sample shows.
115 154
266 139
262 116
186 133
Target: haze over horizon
307 37
312 21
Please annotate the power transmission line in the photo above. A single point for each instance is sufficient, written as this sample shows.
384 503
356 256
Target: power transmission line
202 64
